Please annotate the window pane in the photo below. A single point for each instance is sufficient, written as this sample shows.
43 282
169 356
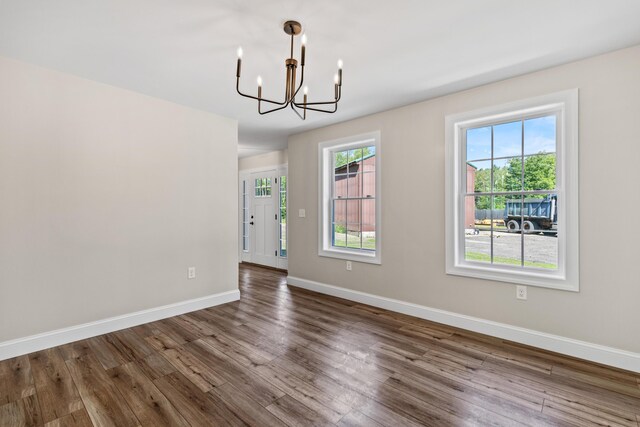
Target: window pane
540 228
479 143
340 211
245 244
368 184
540 135
340 161
479 176
353 239
283 216
339 235
540 172
354 184
507 237
477 245
369 159
507 139
340 186
368 239
354 214
355 160
507 174
283 239
369 212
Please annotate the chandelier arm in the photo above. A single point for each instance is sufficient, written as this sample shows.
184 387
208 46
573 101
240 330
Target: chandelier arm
296 111
335 108
255 97
335 102
272 110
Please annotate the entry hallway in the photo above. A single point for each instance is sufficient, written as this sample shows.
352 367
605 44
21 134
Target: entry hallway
285 356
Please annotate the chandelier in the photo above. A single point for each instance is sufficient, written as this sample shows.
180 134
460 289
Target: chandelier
293 28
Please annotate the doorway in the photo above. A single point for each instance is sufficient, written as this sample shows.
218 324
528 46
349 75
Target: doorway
263 213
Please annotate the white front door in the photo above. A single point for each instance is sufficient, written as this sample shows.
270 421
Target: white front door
264 218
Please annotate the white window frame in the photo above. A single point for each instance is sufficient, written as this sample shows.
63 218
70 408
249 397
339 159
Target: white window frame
566 277
325 165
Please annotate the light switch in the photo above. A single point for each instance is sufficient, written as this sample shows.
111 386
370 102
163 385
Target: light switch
302 213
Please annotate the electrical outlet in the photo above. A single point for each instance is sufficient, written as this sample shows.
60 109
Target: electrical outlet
302 213
191 273
521 292
349 265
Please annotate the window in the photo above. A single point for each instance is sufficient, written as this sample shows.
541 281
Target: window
245 217
350 198
263 187
283 216
512 192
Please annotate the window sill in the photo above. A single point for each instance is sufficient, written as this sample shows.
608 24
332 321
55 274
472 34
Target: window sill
553 280
349 255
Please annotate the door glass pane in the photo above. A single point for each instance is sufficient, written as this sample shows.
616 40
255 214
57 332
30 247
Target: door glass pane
283 216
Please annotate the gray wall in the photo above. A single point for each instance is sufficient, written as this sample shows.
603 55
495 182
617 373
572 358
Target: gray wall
605 311
106 198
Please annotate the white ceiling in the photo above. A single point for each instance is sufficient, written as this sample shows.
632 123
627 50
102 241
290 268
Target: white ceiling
395 52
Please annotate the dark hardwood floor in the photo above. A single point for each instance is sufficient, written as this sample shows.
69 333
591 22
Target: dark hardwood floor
285 356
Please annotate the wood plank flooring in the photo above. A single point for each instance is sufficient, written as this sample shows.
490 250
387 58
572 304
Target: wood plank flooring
288 357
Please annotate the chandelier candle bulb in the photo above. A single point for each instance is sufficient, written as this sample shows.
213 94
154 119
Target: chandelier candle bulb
304 107
239 66
340 64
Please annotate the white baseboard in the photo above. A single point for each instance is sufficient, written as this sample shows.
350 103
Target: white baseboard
584 350
20 346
